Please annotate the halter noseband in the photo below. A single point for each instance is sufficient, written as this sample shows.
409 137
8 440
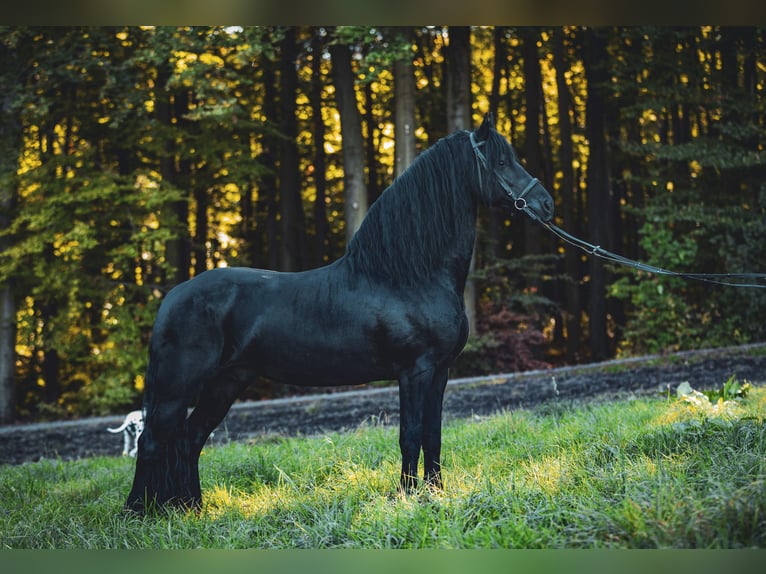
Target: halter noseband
519 201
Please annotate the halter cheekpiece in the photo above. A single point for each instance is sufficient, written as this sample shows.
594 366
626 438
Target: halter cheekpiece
519 201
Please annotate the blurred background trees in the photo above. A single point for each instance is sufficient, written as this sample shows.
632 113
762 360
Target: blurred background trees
135 158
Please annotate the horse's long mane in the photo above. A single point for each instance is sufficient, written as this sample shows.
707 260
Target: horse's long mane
416 223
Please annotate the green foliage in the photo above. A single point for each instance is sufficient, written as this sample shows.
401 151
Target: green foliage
661 320
732 389
667 313
124 148
85 244
723 402
379 47
99 307
691 166
511 318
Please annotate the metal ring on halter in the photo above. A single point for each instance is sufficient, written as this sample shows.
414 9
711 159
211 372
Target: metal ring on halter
520 203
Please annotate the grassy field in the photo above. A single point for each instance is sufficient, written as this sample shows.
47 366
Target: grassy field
648 473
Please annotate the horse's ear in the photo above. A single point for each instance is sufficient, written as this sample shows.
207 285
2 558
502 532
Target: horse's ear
483 132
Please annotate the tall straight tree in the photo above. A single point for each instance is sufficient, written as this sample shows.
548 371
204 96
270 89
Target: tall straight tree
599 193
371 153
532 153
320 157
267 180
292 220
458 64
354 188
499 70
572 299
404 113
10 145
168 107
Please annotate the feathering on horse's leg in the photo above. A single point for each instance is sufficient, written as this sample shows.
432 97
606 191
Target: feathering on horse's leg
166 472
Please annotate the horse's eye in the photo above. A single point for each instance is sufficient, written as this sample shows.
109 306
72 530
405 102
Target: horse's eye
502 162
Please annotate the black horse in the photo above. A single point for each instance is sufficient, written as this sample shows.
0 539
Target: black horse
390 308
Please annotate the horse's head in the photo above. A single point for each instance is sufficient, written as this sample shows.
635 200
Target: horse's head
502 179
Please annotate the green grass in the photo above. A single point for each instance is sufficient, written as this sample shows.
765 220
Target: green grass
643 473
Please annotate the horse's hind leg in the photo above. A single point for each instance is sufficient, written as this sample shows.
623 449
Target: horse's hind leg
214 402
166 465
165 473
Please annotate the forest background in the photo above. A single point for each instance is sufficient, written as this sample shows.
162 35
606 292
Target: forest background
134 158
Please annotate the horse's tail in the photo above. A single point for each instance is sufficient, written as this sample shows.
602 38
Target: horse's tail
150 380
171 384
166 465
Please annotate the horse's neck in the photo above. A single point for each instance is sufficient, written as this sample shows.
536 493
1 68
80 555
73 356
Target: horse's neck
422 228
460 263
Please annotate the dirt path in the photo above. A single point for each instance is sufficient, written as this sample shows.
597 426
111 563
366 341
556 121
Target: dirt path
464 398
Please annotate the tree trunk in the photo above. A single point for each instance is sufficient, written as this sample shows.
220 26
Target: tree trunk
373 188
430 101
200 228
573 304
248 220
495 217
320 159
355 191
599 194
7 300
292 222
404 115
267 181
532 153
178 249
10 143
7 354
500 46
458 61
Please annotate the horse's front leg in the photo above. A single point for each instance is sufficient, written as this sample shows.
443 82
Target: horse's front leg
412 395
432 428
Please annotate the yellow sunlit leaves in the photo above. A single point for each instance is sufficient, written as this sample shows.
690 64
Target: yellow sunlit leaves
211 59
695 168
184 59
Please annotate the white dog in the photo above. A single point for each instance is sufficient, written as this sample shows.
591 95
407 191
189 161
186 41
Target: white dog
131 429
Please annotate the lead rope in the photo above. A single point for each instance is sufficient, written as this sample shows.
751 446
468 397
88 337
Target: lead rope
598 251
521 204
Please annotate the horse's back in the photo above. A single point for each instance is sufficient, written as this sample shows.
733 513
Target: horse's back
318 327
